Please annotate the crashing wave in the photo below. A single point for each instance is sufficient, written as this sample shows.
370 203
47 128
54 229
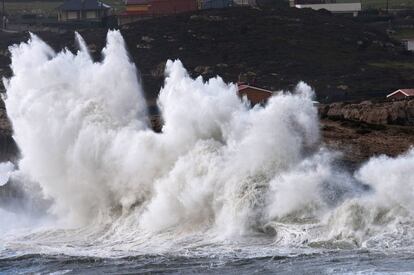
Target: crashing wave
218 166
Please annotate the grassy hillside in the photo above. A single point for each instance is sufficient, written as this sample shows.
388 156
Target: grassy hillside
341 59
46 8
392 4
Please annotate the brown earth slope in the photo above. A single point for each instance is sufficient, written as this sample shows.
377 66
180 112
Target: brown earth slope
360 141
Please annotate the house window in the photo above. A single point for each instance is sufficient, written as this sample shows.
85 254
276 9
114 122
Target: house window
72 15
91 15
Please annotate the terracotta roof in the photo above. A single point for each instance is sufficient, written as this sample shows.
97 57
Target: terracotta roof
406 92
245 86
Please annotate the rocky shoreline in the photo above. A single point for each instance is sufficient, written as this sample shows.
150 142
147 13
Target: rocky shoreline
380 113
366 129
358 141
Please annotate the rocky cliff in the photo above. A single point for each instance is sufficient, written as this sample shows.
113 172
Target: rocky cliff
388 112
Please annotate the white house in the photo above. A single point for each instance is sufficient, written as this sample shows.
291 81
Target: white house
408 43
339 7
82 10
244 2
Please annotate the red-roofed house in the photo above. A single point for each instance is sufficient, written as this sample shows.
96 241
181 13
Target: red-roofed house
254 94
401 94
140 9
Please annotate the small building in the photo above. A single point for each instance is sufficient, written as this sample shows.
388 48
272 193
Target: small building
244 2
82 10
340 6
401 94
408 44
254 94
136 10
137 6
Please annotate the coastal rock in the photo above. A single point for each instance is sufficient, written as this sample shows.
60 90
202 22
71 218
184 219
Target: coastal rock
389 112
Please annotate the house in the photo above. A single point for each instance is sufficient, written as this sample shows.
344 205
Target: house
244 2
141 9
408 44
82 10
401 94
137 6
134 11
254 94
334 6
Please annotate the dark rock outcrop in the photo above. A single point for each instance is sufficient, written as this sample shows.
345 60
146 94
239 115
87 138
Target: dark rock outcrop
8 147
390 112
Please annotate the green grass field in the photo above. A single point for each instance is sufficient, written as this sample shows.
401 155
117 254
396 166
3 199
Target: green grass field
404 34
393 65
47 8
382 4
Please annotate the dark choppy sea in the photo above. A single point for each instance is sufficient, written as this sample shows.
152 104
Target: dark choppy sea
331 262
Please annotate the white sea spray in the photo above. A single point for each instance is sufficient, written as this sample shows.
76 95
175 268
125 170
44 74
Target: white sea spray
219 170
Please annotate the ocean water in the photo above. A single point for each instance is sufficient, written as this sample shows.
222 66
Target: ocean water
224 188
338 262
